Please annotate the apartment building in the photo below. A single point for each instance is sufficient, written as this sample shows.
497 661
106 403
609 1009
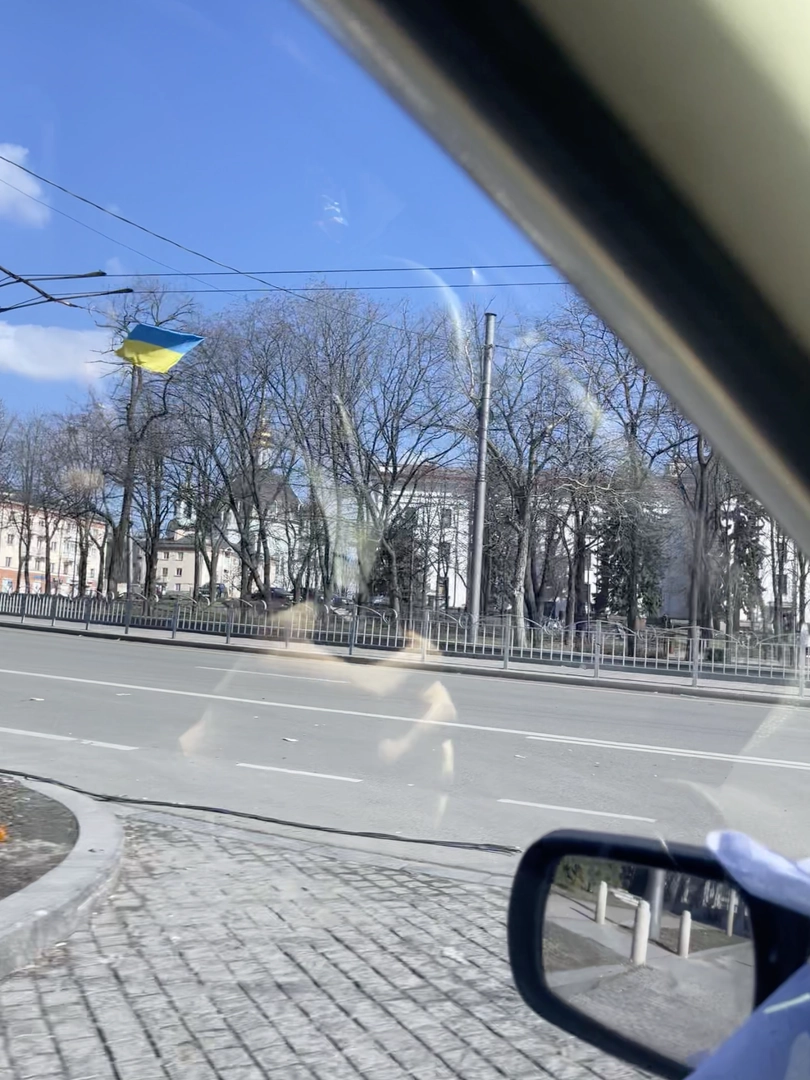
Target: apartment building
175 567
33 535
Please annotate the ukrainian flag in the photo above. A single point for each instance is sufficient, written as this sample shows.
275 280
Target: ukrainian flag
155 349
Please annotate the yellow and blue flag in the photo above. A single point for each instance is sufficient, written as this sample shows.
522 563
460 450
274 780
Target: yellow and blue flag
155 349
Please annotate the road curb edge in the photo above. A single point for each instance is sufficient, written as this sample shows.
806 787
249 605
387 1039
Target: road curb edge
671 690
51 908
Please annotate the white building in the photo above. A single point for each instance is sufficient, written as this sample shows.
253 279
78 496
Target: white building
43 539
439 506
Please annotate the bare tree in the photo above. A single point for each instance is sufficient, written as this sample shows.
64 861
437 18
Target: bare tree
634 415
132 412
368 403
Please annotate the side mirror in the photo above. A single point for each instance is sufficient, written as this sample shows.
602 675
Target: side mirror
644 949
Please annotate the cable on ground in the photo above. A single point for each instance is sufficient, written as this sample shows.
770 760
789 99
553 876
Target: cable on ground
134 800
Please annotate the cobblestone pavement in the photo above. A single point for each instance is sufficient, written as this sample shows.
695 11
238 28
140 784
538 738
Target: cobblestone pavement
236 955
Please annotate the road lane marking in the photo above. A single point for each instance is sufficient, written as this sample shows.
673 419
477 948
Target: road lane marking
576 810
64 738
569 740
644 687
269 674
106 745
672 751
298 772
36 734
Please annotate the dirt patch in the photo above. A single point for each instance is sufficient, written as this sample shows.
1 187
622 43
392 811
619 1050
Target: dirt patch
566 951
39 833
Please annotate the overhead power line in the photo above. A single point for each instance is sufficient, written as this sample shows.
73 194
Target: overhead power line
270 286
321 271
41 296
98 232
149 232
314 272
363 288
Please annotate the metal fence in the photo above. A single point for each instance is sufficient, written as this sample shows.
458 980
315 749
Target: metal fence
695 653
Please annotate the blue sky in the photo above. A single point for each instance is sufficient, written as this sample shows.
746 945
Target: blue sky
248 135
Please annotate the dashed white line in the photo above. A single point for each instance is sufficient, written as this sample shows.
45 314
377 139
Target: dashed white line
64 738
36 734
298 772
569 740
269 674
671 751
106 745
577 810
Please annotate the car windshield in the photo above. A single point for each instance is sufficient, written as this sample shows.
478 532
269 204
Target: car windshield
344 551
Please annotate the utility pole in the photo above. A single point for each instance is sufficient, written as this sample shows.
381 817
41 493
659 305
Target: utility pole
479 506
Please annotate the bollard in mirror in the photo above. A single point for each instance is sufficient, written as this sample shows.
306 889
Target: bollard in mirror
644 948
662 957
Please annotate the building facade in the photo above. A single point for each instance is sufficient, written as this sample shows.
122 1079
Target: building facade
52 548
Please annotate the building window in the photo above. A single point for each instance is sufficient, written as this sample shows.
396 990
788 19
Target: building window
8 560
782 584
53 567
178 572
444 551
9 538
165 571
179 556
178 588
66 565
38 562
165 554
446 518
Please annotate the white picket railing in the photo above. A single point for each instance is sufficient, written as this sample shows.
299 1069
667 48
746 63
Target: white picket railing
602 647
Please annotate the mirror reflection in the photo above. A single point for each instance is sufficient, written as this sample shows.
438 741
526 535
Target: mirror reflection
660 957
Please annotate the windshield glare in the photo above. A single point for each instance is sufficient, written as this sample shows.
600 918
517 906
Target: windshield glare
347 550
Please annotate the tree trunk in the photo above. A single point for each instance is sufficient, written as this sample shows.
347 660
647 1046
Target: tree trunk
393 568
521 567
530 596
580 554
778 561
570 600
213 574
84 555
101 583
801 606
47 559
550 542
150 558
20 549
697 582
631 611
118 547
196 587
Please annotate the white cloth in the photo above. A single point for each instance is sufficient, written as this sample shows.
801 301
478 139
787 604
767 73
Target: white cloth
762 872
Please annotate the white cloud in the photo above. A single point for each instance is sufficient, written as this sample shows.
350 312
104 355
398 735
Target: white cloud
14 204
52 352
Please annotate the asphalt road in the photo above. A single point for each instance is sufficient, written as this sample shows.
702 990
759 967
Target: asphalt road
375 748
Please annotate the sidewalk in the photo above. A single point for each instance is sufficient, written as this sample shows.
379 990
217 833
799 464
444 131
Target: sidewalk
230 954
574 675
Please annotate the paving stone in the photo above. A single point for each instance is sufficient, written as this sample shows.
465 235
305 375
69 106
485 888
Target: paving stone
231 955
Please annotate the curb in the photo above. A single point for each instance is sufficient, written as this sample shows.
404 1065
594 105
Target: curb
670 689
49 909
186 820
